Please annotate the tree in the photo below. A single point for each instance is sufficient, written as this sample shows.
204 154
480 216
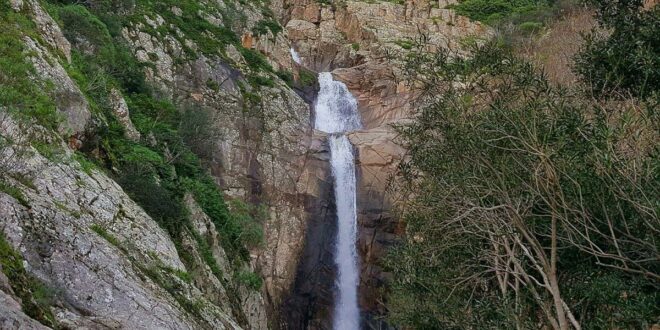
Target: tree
519 188
622 54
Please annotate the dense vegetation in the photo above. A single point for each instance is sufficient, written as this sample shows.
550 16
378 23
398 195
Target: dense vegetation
625 62
493 11
159 169
532 205
156 172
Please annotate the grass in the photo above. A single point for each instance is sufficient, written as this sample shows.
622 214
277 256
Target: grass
492 12
101 231
36 298
19 94
250 279
14 192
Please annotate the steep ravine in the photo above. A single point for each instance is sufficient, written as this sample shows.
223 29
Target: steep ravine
362 43
108 263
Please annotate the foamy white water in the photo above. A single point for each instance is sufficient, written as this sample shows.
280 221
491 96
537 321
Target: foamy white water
295 56
336 113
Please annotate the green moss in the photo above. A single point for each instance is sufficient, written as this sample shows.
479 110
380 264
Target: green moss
19 94
249 279
36 298
307 78
263 26
405 44
14 192
101 231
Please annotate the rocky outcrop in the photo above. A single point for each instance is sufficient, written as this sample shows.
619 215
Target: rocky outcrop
70 101
363 44
121 112
306 304
261 151
82 236
260 155
12 316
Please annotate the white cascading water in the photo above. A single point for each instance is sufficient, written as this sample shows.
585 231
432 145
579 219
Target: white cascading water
294 55
336 113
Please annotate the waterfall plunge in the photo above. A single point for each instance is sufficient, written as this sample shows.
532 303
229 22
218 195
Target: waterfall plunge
294 55
336 113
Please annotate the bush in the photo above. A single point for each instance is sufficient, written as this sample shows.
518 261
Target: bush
510 174
263 26
627 59
255 60
79 24
250 279
493 11
164 206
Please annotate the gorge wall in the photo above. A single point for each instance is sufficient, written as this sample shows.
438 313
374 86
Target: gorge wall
363 44
111 264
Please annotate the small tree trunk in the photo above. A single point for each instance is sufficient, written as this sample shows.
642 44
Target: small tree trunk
552 278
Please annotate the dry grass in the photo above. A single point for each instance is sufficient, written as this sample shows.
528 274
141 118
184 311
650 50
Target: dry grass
554 49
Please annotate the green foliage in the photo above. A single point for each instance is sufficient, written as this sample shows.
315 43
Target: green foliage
87 165
263 26
106 235
14 192
51 151
255 60
36 298
249 218
207 254
249 279
80 25
405 44
627 59
20 94
531 26
307 78
502 159
171 281
492 11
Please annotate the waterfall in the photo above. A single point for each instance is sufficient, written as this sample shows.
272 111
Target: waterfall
295 56
336 113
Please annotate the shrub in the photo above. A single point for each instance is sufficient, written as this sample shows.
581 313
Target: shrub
78 23
492 11
250 279
263 26
627 59
515 179
255 60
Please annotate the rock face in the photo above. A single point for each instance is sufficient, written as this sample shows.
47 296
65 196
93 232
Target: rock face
362 43
82 236
305 306
112 266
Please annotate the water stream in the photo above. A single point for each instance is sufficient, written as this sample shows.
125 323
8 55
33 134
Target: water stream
336 114
294 55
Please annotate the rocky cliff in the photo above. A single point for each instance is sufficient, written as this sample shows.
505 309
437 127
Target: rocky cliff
363 44
73 223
